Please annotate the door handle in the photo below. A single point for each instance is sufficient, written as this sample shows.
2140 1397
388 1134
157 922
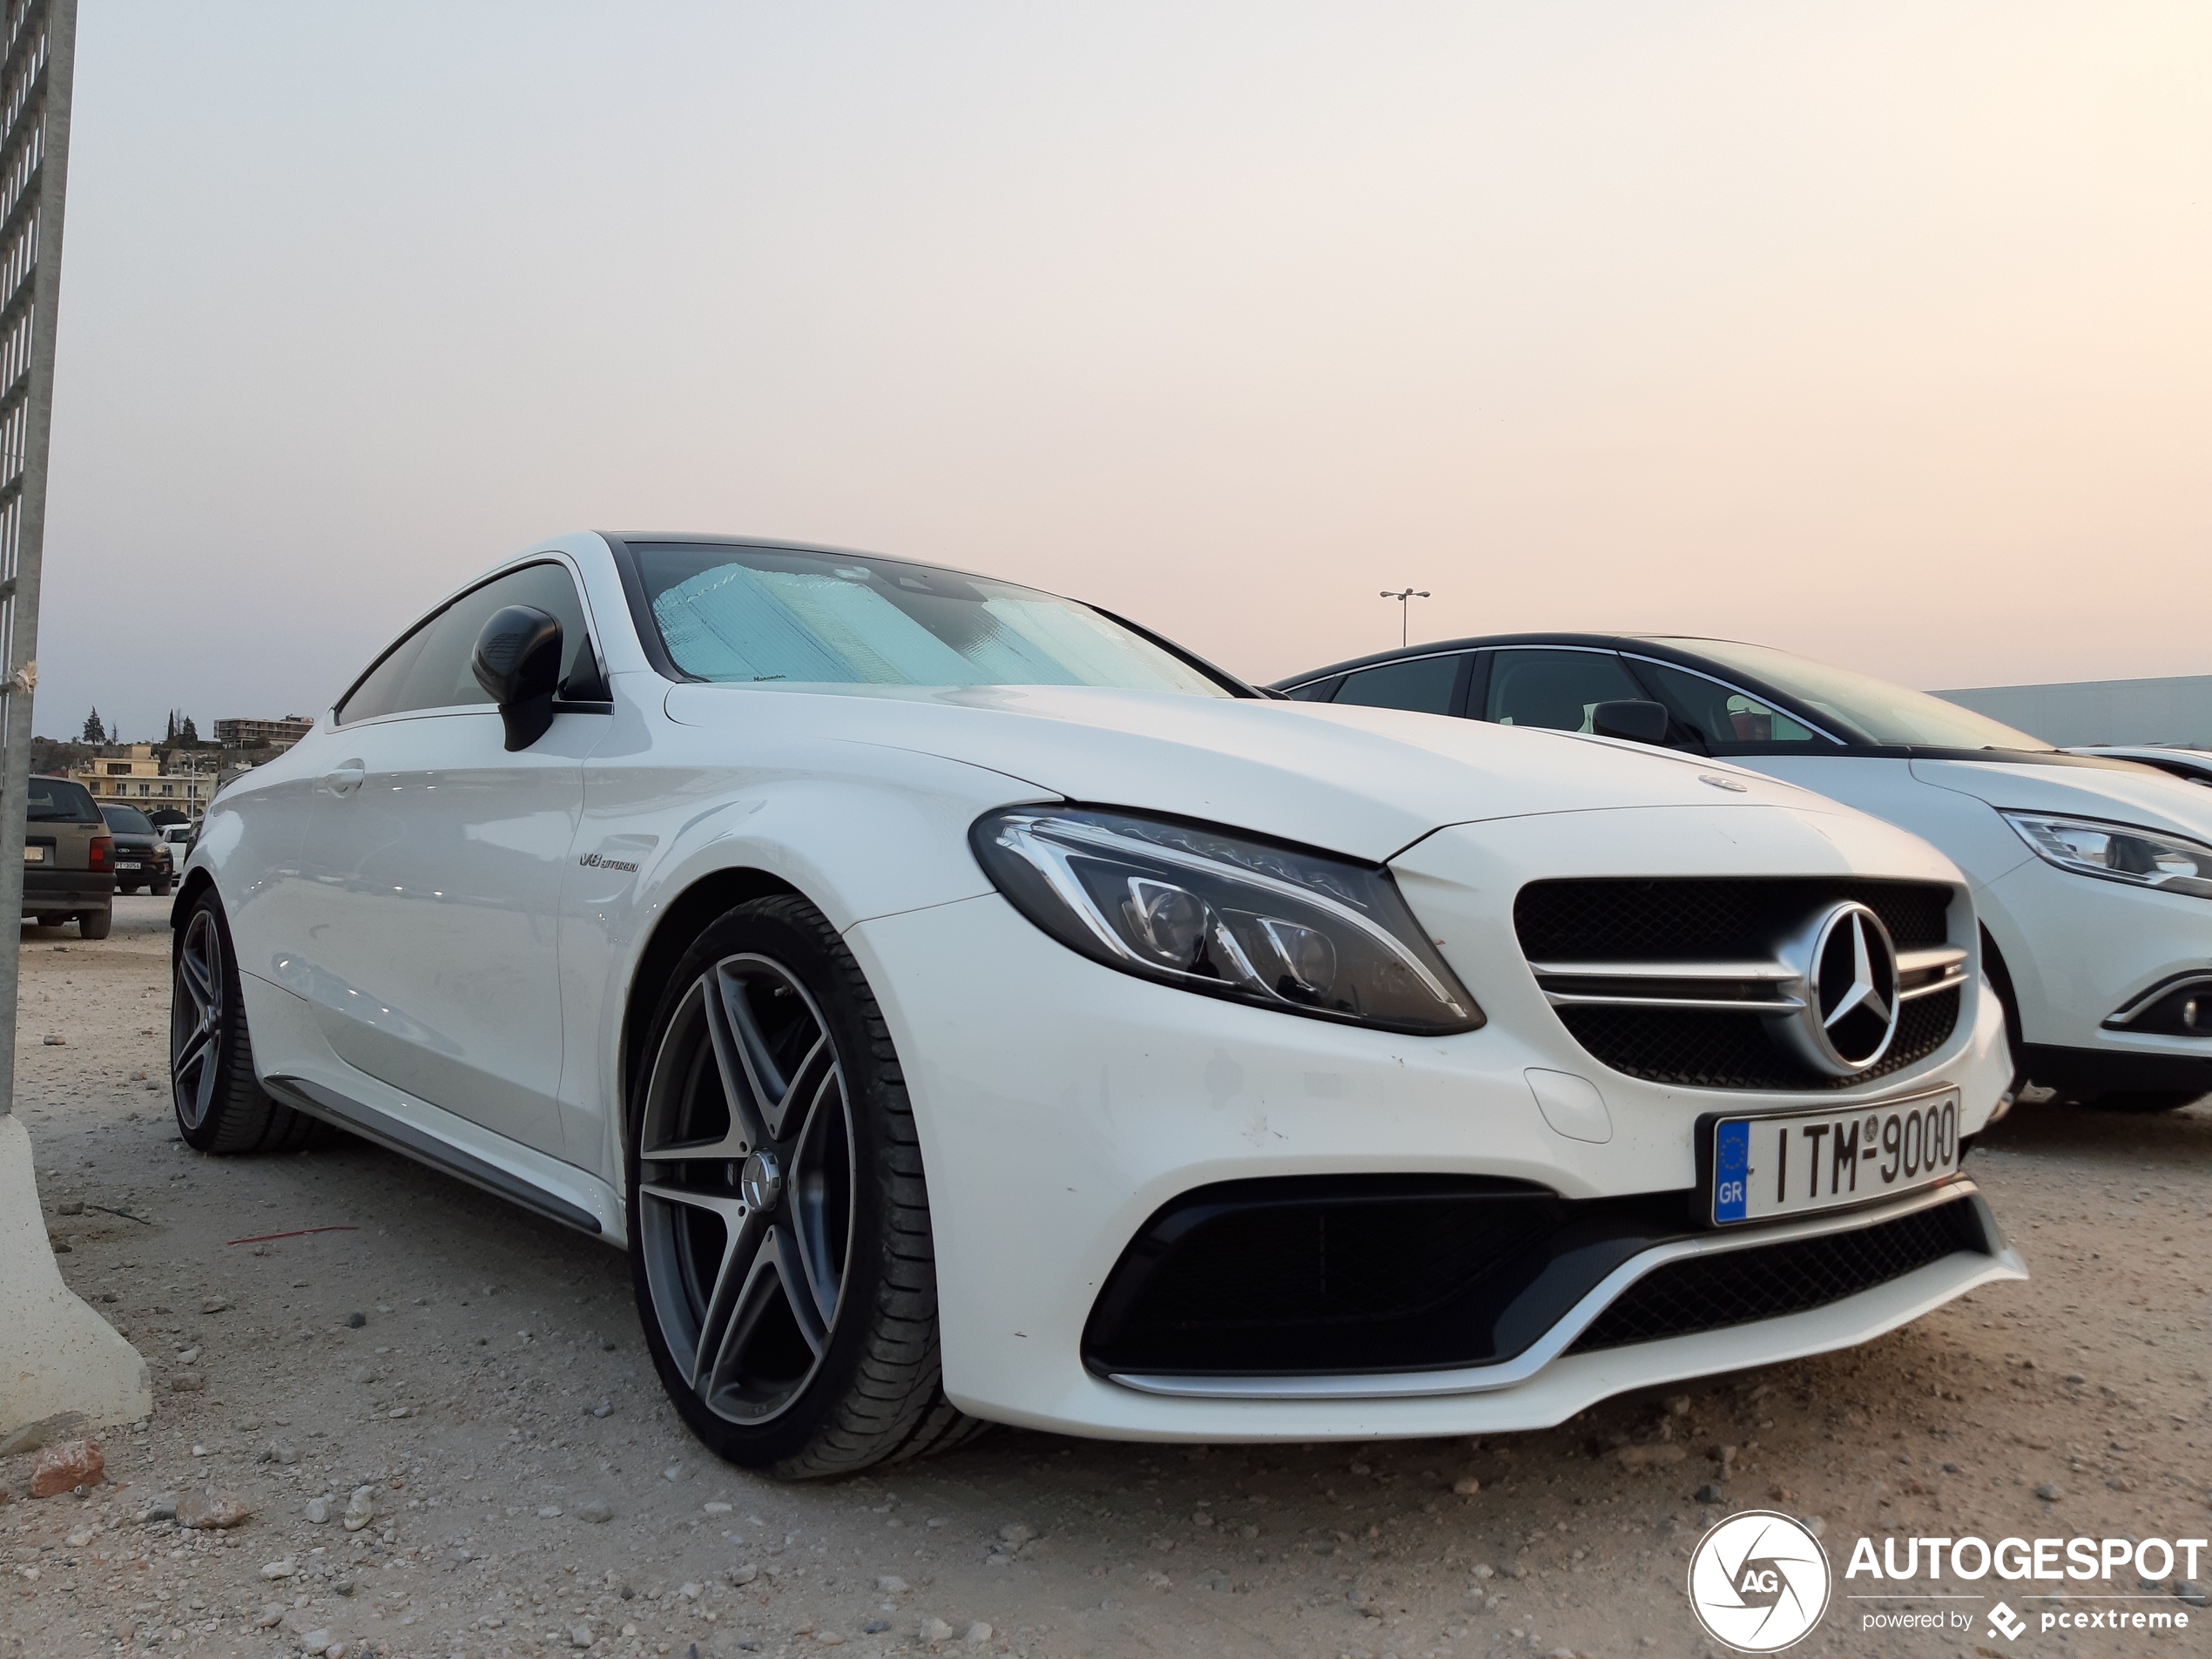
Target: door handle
345 777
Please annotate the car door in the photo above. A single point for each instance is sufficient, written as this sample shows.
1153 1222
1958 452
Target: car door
435 859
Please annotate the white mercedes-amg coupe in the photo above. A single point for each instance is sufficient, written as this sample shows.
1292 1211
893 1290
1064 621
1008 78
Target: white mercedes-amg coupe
965 1005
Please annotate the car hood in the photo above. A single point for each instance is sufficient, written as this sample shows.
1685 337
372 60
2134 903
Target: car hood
1364 782
2120 791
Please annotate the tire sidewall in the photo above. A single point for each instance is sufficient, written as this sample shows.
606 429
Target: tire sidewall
775 928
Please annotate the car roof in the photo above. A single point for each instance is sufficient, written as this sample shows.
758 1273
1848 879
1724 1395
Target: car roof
1674 645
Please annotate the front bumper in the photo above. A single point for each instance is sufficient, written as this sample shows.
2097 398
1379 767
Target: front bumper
2081 952
1060 1105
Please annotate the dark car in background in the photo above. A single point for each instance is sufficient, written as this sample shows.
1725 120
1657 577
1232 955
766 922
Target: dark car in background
142 857
68 858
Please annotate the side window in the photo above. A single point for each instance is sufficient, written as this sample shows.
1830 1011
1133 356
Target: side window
1555 689
430 668
1316 690
1719 714
1424 685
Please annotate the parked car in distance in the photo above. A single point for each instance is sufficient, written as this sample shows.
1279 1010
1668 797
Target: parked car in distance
965 1005
68 858
2091 875
179 838
2190 766
142 859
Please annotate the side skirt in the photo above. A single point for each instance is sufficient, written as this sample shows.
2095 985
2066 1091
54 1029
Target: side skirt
318 1101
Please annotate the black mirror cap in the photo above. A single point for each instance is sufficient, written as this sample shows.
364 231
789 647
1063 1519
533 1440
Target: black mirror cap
1632 719
518 661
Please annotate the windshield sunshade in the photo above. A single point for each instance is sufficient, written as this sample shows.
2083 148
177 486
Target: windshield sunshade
759 615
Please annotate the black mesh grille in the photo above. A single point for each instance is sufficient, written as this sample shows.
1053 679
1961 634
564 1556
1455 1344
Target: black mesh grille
1689 919
1694 1050
1721 920
1766 1281
1339 1264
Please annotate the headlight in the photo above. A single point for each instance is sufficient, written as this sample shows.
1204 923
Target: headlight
1297 931
2140 858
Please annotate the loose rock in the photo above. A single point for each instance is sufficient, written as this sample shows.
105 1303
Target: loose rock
935 1630
214 1304
891 1584
209 1511
66 1467
1467 1485
318 1510
279 1569
360 1508
2050 1492
595 1510
978 1633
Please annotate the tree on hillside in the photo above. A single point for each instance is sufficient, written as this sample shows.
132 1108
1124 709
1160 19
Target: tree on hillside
94 731
187 732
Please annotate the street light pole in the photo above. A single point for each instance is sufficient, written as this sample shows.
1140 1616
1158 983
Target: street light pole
1406 598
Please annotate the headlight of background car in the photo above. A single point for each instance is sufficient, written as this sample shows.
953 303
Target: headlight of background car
1209 911
2141 858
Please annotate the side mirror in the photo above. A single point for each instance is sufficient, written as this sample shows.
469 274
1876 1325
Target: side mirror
518 661
1630 717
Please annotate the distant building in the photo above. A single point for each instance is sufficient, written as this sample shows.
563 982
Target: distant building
2175 711
254 734
131 773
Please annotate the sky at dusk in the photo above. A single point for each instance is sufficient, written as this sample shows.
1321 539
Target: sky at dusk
1878 332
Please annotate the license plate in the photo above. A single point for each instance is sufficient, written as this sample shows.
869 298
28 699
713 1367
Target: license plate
34 855
126 865
1765 1167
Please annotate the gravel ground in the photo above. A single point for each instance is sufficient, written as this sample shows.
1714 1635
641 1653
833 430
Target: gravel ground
482 1372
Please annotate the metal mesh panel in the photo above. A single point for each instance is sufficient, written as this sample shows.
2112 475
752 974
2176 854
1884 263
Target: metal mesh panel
1694 1050
1766 1281
1693 919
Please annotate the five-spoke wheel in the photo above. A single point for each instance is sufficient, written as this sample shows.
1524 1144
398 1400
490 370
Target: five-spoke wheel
780 1237
746 1187
196 1008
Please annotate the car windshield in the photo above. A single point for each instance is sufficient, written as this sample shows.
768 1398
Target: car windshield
57 800
752 615
128 820
1873 710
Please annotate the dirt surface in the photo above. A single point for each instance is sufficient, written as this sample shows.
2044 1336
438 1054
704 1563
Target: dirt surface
483 1372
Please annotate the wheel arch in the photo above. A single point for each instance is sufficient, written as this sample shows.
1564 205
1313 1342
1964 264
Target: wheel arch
188 891
682 919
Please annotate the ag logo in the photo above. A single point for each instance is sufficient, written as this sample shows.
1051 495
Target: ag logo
1758 1581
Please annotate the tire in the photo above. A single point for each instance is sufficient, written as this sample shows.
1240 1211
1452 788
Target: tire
95 924
2145 1100
797 1257
218 1103
161 889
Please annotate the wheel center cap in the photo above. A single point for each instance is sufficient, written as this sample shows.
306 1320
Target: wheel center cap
762 1183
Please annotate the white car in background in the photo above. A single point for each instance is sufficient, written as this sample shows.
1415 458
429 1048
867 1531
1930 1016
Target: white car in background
964 1006
2091 872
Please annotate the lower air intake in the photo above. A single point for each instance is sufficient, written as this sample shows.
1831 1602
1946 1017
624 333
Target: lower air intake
1766 1281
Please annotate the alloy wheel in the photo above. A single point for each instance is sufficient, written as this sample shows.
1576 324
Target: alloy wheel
745 1188
196 1009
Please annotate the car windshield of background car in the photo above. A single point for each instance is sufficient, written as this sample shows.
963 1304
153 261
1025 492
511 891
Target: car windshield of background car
56 800
127 820
1876 711
747 615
